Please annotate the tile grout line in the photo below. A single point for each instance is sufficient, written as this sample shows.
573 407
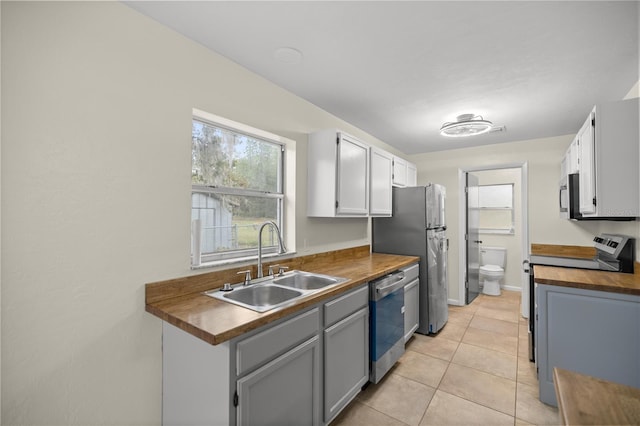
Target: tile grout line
451 362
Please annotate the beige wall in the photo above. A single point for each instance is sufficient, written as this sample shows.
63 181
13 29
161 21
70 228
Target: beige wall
97 103
543 162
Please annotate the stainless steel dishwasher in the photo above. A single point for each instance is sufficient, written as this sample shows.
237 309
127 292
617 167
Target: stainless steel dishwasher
386 316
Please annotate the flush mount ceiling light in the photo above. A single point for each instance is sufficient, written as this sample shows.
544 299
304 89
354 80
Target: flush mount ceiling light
288 55
466 125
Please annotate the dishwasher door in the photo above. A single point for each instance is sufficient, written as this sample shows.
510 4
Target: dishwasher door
386 306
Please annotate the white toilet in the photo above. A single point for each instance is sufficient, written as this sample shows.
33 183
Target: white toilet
492 261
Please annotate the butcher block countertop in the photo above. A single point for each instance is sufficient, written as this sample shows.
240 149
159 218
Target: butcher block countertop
615 282
586 400
587 279
576 252
181 301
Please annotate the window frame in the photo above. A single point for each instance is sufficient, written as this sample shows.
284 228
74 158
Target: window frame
284 185
511 229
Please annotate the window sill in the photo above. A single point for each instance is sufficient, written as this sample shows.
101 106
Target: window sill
238 260
497 231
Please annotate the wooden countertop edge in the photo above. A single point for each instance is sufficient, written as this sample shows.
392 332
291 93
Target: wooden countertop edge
615 282
584 400
560 397
163 307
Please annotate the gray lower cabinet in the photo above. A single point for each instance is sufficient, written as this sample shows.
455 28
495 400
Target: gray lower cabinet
300 370
346 349
346 361
590 332
278 373
411 306
286 391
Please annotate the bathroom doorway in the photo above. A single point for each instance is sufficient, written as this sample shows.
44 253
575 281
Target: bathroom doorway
495 229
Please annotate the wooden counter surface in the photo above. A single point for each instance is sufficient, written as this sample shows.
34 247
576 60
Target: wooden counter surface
588 279
577 252
586 400
582 278
180 301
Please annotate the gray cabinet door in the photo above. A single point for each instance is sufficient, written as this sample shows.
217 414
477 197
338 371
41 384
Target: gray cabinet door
286 391
411 306
346 361
590 332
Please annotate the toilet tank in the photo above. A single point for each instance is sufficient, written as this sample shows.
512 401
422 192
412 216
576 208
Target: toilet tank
493 256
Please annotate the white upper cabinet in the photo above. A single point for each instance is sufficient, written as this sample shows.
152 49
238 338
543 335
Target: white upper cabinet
338 175
587 169
412 174
381 175
404 172
608 156
569 163
399 172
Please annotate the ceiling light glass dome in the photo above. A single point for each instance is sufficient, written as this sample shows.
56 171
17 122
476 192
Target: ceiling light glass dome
466 125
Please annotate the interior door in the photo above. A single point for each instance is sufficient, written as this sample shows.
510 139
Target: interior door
472 285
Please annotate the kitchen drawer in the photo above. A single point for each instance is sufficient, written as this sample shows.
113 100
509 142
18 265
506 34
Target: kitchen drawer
411 272
345 305
262 347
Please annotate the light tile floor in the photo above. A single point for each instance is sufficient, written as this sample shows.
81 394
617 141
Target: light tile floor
475 371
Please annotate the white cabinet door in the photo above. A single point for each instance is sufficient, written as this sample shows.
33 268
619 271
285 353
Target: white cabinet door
353 177
608 152
381 174
346 361
399 171
285 391
412 174
572 157
587 177
337 175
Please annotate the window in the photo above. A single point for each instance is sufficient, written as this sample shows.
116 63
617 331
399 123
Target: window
496 208
236 185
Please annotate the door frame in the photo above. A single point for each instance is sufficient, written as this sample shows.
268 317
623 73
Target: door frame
467 288
462 224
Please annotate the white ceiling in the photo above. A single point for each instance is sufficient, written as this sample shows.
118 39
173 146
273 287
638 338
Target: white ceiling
399 70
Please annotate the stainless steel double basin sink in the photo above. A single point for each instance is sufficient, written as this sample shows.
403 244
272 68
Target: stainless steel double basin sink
276 291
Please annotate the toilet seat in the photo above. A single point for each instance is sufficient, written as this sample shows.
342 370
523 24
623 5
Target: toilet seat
491 268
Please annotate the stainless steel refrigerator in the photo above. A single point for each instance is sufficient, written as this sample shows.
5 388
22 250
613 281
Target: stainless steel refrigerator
418 228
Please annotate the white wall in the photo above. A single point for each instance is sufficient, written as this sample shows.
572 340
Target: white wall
97 102
545 226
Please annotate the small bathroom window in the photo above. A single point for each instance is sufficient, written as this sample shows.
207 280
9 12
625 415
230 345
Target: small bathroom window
496 209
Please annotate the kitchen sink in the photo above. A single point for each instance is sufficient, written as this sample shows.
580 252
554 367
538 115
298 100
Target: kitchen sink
259 297
307 280
276 292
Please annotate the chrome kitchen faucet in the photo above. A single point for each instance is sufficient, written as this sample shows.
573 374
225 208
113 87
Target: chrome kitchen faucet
281 250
